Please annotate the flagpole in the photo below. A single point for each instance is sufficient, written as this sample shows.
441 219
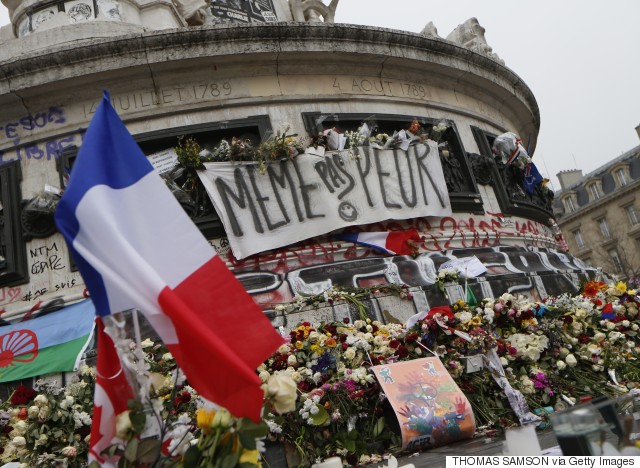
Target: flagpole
466 279
136 327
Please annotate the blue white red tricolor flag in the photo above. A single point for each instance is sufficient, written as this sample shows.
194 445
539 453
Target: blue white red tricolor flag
137 249
392 242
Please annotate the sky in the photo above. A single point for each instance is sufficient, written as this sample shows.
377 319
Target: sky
580 58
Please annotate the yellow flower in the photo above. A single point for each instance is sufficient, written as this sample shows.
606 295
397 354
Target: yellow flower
249 456
622 287
204 419
299 344
475 322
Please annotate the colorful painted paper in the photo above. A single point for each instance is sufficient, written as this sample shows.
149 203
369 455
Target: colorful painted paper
430 407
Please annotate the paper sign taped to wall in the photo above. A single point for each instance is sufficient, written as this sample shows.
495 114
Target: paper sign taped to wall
469 267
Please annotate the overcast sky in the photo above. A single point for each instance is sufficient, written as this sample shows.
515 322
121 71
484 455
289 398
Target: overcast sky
580 58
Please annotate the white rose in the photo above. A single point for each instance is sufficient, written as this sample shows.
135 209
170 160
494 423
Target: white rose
19 441
292 360
615 335
156 380
571 360
610 325
42 440
561 365
282 391
349 354
222 418
146 344
284 349
123 425
44 413
594 349
41 401
599 336
69 451
33 412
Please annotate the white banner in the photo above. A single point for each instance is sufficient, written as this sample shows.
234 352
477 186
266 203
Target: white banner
311 195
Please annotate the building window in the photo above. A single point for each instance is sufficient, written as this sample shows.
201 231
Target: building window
632 214
568 202
13 251
622 178
604 228
159 145
578 237
595 193
617 262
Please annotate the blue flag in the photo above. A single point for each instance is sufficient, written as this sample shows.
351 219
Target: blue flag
531 177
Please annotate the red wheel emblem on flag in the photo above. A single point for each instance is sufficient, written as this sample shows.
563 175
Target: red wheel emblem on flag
18 346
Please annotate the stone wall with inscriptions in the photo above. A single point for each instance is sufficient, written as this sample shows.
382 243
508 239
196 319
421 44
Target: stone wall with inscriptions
160 82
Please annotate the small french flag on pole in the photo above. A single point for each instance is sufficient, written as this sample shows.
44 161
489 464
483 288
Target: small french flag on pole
393 242
137 249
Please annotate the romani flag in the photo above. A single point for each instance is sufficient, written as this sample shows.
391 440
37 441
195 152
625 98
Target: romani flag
49 343
137 249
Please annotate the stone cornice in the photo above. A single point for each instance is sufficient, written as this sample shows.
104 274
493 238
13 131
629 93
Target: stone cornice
294 48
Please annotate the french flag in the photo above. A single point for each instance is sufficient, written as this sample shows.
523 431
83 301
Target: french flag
392 242
136 248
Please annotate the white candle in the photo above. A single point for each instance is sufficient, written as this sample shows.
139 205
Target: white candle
522 441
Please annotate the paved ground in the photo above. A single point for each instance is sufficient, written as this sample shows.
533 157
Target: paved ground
436 457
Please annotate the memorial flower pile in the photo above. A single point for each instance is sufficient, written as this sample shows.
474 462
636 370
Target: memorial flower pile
447 275
556 353
321 398
340 410
49 424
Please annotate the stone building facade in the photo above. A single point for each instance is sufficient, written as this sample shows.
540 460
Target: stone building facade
599 214
170 77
